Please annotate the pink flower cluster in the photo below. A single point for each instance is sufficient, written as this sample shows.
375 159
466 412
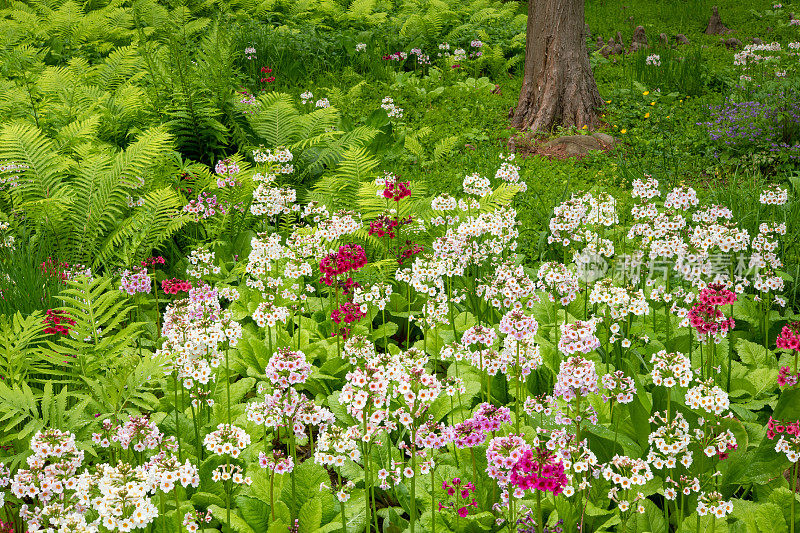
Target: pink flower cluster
349 257
789 338
487 418
517 324
776 428
717 294
706 317
135 281
543 472
576 377
479 335
277 463
709 320
287 367
786 378
578 337
175 285
139 432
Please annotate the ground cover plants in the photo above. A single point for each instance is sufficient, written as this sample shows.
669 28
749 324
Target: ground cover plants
284 266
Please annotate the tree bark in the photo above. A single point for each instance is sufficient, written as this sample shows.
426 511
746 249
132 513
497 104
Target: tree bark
558 87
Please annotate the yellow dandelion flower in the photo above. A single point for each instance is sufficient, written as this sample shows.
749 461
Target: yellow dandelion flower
652 103
646 93
623 131
585 126
647 115
608 101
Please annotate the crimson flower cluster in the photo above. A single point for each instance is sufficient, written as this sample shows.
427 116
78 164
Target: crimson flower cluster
384 226
349 257
54 269
348 313
776 428
153 261
542 472
175 285
459 492
58 322
397 191
790 337
265 78
409 250
706 317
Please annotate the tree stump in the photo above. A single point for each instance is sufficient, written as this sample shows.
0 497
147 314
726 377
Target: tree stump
733 44
681 39
663 39
639 39
715 25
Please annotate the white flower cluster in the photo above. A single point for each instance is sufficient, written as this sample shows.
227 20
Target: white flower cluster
392 110
227 440
709 397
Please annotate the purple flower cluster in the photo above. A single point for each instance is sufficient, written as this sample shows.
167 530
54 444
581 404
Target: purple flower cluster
472 431
761 122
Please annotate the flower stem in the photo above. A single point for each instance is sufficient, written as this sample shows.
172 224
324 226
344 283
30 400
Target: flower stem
539 519
794 489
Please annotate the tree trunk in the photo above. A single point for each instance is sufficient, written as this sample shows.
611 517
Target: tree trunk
559 87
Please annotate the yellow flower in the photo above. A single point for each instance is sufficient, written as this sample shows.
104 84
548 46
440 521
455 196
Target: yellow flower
681 101
667 116
608 101
615 126
623 131
652 103
646 93
585 126
647 115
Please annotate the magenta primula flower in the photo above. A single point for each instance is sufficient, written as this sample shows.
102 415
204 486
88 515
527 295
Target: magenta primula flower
790 337
544 472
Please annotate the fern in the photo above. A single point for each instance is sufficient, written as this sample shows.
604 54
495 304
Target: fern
41 181
147 228
20 344
100 338
337 189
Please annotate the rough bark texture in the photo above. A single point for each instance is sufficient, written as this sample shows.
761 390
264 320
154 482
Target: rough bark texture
715 25
559 87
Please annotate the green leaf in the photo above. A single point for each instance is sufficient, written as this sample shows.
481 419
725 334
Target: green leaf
752 354
311 515
255 512
651 520
308 477
237 524
761 517
788 407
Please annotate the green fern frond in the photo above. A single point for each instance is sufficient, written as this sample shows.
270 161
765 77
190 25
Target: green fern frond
101 334
42 179
340 188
